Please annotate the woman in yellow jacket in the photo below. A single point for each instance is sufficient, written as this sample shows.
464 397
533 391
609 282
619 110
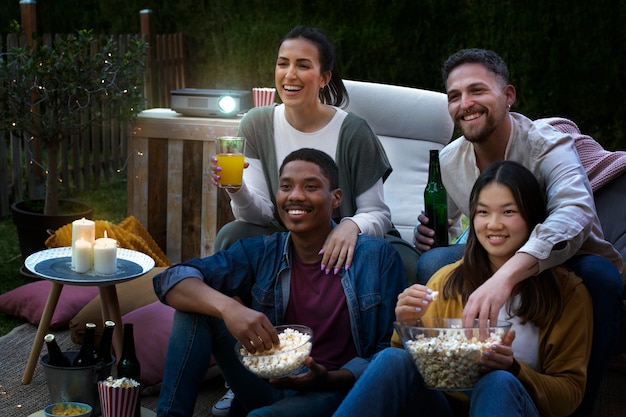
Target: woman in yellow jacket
539 369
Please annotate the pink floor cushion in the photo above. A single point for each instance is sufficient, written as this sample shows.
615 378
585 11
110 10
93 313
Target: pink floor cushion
28 301
152 325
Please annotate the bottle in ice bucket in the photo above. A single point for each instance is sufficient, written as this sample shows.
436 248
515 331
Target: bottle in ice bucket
436 202
87 356
104 348
128 365
55 355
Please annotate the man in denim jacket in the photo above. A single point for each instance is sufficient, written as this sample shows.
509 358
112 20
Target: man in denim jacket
258 283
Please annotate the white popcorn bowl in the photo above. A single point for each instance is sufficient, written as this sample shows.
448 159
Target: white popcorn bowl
282 363
447 354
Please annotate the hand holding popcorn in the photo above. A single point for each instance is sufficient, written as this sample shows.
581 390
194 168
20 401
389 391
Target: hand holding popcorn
284 359
413 302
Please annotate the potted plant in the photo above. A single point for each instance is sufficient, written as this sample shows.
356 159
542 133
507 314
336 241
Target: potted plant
52 91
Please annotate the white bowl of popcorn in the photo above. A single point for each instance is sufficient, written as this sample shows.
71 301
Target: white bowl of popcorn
447 354
282 360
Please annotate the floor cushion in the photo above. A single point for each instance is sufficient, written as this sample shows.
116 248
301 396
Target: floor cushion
27 302
131 295
152 325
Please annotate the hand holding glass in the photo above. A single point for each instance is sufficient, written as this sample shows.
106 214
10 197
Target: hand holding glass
230 157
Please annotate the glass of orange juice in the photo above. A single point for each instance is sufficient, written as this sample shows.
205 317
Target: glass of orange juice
229 153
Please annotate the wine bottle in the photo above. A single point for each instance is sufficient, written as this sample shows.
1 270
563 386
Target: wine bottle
104 348
128 365
87 356
436 202
55 355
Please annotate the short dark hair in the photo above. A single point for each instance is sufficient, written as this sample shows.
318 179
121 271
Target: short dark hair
321 159
334 93
489 59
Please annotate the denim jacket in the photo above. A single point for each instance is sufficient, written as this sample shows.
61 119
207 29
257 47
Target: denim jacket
257 270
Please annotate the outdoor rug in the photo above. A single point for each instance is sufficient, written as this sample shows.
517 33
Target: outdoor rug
19 400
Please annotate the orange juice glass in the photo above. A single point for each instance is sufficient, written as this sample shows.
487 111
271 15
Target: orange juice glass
230 157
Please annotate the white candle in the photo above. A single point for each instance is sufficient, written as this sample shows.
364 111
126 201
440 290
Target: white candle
105 255
82 229
82 256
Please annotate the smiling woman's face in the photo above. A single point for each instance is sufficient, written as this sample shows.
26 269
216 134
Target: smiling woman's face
498 223
298 73
304 199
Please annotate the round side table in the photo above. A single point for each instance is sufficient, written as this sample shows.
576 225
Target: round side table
55 265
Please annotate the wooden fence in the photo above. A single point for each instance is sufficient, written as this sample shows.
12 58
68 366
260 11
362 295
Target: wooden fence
99 154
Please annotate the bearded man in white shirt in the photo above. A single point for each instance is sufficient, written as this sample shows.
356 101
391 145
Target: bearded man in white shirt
479 101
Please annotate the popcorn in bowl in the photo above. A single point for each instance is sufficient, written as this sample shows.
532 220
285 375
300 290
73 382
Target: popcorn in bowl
447 354
68 408
285 359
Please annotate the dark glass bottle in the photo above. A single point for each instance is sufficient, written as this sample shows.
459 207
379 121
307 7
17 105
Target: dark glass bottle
436 202
104 348
87 356
55 355
128 365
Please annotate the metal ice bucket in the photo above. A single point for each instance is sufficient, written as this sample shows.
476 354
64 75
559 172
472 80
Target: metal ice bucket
75 383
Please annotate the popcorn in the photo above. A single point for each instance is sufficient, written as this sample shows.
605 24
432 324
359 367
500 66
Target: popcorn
120 382
281 360
449 360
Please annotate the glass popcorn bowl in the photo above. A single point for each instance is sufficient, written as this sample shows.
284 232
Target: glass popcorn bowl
280 361
447 354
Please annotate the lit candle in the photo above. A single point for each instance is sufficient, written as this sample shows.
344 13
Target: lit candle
105 255
82 256
82 229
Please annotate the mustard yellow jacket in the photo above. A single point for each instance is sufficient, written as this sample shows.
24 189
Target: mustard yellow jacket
557 387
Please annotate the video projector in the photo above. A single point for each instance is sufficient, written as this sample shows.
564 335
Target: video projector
210 103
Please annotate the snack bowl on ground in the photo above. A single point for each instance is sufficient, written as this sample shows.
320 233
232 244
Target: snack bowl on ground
447 354
67 408
283 360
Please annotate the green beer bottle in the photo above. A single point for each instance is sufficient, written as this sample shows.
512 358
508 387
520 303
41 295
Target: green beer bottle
87 356
436 202
128 366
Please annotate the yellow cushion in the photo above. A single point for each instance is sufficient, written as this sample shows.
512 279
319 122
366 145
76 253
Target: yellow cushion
130 234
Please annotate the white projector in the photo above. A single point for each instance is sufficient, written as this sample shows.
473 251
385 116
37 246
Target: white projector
210 103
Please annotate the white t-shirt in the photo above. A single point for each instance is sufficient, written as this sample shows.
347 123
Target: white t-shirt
252 203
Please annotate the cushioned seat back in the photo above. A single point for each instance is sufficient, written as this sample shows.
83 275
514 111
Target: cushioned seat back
409 122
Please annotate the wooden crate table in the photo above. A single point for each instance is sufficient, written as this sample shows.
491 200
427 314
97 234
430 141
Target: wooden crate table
169 183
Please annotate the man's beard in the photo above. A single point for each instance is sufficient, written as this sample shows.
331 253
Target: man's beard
478 134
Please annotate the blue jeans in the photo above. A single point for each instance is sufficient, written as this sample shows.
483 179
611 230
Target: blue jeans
392 386
194 339
499 393
432 260
604 283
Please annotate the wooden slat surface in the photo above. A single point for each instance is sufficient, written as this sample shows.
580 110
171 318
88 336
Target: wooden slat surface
171 187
